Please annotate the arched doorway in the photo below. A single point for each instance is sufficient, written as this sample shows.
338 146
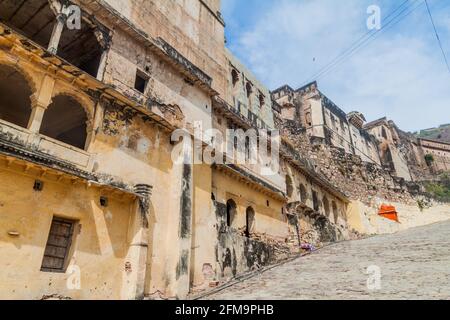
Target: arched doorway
250 222
289 186
231 212
15 92
326 206
303 194
65 120
335 212
316 204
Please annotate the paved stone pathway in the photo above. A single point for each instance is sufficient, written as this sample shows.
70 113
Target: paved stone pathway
414 264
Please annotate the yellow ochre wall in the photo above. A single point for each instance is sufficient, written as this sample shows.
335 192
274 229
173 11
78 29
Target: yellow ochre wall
99 249
268 219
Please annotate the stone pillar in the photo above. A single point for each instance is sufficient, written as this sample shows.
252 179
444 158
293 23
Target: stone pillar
94 126
185 227
39 103
136 260
56 34
102 66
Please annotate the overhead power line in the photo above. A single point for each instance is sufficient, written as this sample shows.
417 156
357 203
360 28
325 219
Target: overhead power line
376 35
343 53
369 37
437 35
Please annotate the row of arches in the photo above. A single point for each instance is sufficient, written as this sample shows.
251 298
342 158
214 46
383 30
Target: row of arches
36 20
65 119
249 217
317 203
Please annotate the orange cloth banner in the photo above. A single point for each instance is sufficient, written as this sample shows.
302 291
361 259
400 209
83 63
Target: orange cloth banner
389 212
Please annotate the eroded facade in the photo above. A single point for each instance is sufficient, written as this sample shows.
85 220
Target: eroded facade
93 203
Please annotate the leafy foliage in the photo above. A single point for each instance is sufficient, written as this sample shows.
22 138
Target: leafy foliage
440 189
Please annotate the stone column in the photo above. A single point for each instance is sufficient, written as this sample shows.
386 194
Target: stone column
93 126
136 260
185 228
39 103
56 34
102 66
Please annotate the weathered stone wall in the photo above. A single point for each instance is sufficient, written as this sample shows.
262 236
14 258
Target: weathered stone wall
192 27
359 180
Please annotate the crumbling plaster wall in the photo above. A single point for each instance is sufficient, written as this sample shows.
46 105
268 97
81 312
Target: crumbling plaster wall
236 254
165 85
359 180
388 142
132 148
238 93
100 246
327 224
189 26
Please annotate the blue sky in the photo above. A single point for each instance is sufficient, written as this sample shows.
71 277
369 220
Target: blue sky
400 74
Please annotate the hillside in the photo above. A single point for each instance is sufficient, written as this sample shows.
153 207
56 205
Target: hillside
442 133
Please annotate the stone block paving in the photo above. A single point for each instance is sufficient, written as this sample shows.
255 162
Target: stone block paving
414 264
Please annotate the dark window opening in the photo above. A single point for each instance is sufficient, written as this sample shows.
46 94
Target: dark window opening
250 222
104 201
249 89
384 133
316 204
303 194
289 186
140 84
231 212
326 206
262 100
15 103
234 77
308 119
65 120
81 48
33 19
38 185
36 20
58 245
335 212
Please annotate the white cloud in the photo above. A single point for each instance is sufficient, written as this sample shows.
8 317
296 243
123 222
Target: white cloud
401 74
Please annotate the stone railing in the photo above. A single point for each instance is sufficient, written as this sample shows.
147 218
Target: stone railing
37 143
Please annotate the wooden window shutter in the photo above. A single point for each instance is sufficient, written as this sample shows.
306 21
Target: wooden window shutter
58 245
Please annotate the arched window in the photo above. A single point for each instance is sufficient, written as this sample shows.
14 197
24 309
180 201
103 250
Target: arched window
303 194
250 222
326 206
249 89
15 103
308 118
335 212
289 186
384 133
247 149
234 77
316 204
231 212
65 120
39 23
35 19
